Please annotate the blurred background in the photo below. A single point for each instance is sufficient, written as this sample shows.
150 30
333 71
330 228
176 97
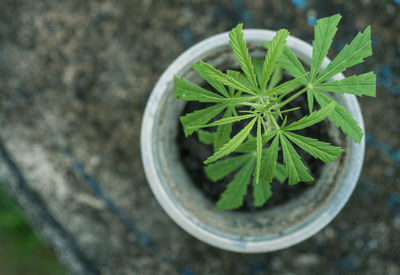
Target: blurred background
74 80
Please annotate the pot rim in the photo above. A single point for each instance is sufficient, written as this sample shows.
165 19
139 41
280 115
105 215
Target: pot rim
193 226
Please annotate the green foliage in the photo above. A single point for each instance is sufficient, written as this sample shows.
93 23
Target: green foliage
255 97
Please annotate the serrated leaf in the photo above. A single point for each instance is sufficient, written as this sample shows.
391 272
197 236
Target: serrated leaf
234 75
258 150
324 31
340 117
251 143
225 79
273 54
258 67
349 56
276 77
318 149
280 173
234 194
363 84
261 192
222 168
216 85
231 145
223 132
286 87
310 99
269 160
199 117
222 121
206 137
242 54
313 118
191 92
296 169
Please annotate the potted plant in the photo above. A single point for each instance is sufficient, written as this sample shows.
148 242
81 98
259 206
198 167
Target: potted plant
261 98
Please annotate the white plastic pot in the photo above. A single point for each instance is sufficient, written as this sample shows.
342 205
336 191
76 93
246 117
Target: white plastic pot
265 230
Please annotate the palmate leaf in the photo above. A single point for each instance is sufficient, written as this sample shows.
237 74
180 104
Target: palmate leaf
349 56
231 145
234 75
206 137
222 121
312 118
324 31
295 168
276 77
340 117
242 55
216 85
269 161
223 132
258 150
199 118
318 149
225 79
273 54
284 88
251 143
222 168
234 194
261 192
191 92
363 84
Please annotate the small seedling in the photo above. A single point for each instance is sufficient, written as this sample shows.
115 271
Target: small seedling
255 95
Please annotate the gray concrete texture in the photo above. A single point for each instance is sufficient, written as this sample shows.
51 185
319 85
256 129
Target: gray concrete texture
74 79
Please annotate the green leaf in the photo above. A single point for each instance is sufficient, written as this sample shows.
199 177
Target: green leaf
258 150
295 168
363 84
251 143
318 149
206 137
191 92
225 79
324 31
258 68
222 168
234 194
276 77
286 87
222 121
261 192
199 118
234 75
349 56
273 54
310 99
340 117
281 173
313 118
242 55
216 85
269 160
231 145
223 132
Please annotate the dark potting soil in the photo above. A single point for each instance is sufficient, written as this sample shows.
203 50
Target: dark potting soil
193 153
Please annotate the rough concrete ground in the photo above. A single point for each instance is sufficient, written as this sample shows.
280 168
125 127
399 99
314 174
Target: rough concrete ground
74 80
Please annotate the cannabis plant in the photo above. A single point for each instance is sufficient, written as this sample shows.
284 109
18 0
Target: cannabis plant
256 96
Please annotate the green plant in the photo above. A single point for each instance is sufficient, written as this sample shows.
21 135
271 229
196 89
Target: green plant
255 95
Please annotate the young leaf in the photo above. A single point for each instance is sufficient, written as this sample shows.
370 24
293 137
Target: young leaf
273 54
242 55
312 118
324 31
223 132
222 121
216 85
191 92
363 84
261 192
206 137
199 118
296 169
234 194
225 79
234 75
231 145
251 143
340 117
258 68
269 160
276 77
280 173
318 149
349 56
220 169
310 99
258 150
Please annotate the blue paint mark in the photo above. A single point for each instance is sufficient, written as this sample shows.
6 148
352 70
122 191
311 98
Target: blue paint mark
301 4
311 20
383 146
393 202
187 37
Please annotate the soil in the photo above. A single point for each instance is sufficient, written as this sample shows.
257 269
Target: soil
193 153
